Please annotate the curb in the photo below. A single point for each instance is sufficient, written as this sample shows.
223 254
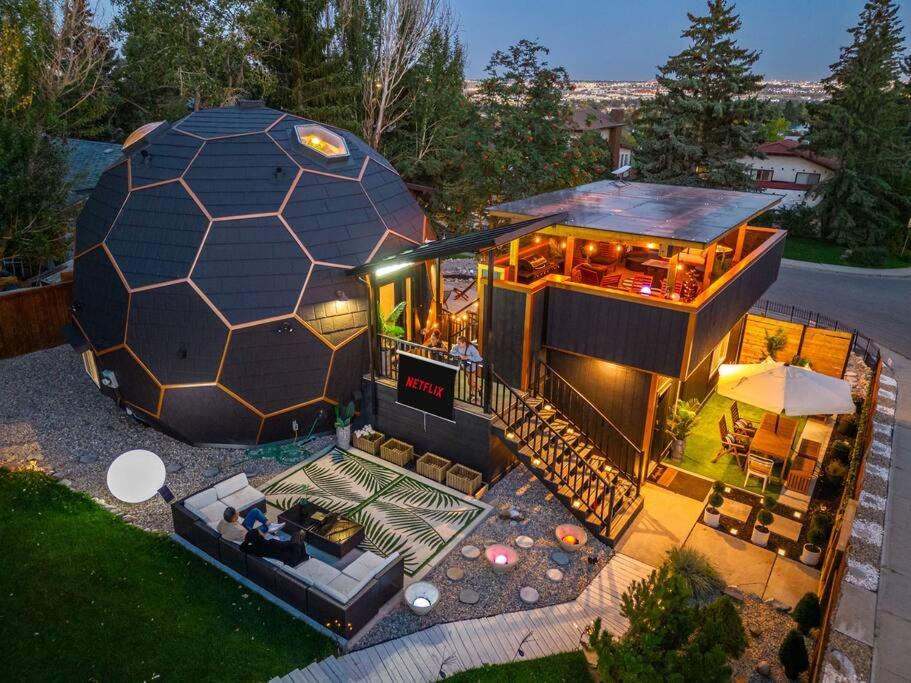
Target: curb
848 270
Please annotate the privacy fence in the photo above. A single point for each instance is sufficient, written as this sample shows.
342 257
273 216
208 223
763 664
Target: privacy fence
31 319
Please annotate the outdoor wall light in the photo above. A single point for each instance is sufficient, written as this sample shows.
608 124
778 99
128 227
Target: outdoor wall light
386 270
340 295
285 327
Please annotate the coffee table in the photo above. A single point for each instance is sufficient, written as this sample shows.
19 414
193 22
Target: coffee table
303 517
338 537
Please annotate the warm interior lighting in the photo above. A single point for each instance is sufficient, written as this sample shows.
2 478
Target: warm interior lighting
619 247
563 244
591 248
322 140
651 245
500 559
537 238
679 267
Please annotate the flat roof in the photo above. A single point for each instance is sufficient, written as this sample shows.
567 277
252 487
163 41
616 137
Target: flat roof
688 214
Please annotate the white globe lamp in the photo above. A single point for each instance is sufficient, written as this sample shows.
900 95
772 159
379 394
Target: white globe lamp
136 476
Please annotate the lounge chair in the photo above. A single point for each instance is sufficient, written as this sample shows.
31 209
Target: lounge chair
741 426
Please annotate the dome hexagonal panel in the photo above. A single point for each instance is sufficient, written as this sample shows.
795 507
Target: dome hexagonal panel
251 269
169 158
221 121
157 235
276 365
280 427
392 244
100 300
100 210
349 166
248 174
349 363
135 385
176 335
334 219
208 415
393 201
334 304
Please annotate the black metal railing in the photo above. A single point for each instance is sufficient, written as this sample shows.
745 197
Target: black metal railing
861 344
469 384
618 449
462 323
592 492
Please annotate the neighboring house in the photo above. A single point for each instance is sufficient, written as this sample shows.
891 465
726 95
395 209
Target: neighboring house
88 159
790 169
608 124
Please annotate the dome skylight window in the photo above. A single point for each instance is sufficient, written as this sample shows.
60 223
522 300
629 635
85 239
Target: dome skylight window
322 140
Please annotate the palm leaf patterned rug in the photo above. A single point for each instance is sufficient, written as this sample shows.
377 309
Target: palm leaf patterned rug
400 511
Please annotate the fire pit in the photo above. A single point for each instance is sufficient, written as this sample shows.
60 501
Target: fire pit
571 537
421 597
502 558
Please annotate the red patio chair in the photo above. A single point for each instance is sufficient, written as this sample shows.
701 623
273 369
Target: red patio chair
611 280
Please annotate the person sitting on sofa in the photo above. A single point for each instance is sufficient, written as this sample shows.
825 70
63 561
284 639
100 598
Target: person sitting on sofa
292 551
233 528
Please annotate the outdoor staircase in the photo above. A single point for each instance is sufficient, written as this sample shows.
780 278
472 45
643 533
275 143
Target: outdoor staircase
604 498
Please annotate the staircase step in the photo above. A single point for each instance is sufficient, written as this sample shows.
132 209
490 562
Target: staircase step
534 401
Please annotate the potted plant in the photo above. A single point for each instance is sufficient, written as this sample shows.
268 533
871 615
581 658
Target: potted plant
680 424
712 514
817 535
388 324
801 362
765 517
775 342
343 415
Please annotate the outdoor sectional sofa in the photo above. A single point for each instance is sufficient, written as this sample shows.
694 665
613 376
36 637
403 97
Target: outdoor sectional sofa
342 595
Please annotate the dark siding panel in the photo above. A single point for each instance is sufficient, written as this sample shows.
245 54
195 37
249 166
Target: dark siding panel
734 301
538 321
642 336
507 334
622 394
700 382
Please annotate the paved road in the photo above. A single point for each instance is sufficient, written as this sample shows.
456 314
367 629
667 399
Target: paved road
878 307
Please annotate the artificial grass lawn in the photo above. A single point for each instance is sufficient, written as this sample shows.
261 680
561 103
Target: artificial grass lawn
568 667
86 596
704 442
820 251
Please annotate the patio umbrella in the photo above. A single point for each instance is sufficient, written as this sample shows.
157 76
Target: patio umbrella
785 389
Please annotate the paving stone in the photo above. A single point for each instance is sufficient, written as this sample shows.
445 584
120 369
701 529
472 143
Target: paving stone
173 467
560 557
211 471
525 542
88 459
455 573
468 596
554 574
529 595
471 552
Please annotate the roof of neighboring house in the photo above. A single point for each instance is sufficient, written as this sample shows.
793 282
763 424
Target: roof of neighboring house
87 160
589 118
782 185
793 148
694 215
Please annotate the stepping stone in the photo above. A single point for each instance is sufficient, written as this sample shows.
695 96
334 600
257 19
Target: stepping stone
210 471
554 575
560 557
529 595
472 552
525 542
173 467
455 574
468 596
88 459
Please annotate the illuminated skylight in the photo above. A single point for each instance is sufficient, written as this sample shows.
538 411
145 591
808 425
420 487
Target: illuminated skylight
322 140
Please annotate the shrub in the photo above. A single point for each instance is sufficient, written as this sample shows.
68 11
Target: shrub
836 471
703 580
765 517
841 451
847 425
874 257
721 624
807 613
800 362
820 526
793 654
716 500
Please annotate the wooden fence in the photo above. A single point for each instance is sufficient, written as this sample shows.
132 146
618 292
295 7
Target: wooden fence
31 319
827 350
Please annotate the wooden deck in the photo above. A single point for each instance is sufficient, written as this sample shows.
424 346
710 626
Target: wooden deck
469 644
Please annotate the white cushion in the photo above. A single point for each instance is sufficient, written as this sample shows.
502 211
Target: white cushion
229 486
367 565
342 588
313 572
213 513
198 501
243 498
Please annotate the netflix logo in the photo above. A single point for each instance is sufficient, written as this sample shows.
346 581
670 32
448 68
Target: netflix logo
426 385
418 384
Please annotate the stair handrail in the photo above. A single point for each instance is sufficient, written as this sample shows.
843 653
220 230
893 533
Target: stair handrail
599 413
556 435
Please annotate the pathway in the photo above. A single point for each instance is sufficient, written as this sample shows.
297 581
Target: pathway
469 644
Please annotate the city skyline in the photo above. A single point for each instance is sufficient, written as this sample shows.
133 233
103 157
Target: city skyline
615 40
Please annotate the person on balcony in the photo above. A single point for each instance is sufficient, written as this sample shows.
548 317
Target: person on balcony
470 361
435 341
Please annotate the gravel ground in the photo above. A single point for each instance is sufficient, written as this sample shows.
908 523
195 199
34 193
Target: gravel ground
500 592
770 627
51 412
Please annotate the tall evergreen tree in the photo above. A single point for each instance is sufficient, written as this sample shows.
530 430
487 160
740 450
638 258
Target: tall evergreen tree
864 125
706 114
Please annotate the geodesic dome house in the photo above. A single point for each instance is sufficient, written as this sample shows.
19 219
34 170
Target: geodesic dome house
210 278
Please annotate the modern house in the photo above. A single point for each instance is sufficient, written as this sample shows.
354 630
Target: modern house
600 305
608 124
790 169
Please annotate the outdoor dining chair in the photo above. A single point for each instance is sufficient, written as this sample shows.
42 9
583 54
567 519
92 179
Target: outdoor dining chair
730 445
741 425
759 467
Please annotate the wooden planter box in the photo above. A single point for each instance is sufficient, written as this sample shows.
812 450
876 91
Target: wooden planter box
397 452
433 466
463 479
370 444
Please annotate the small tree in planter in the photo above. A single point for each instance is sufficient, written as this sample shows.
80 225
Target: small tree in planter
801 362
817 535
712 514
680 424
343 415
775 342
841 450
793 654
763 519
807 613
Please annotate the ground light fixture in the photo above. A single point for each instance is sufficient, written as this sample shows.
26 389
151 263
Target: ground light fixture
136 476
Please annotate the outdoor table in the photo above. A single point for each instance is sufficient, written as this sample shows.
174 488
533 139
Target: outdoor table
774 443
